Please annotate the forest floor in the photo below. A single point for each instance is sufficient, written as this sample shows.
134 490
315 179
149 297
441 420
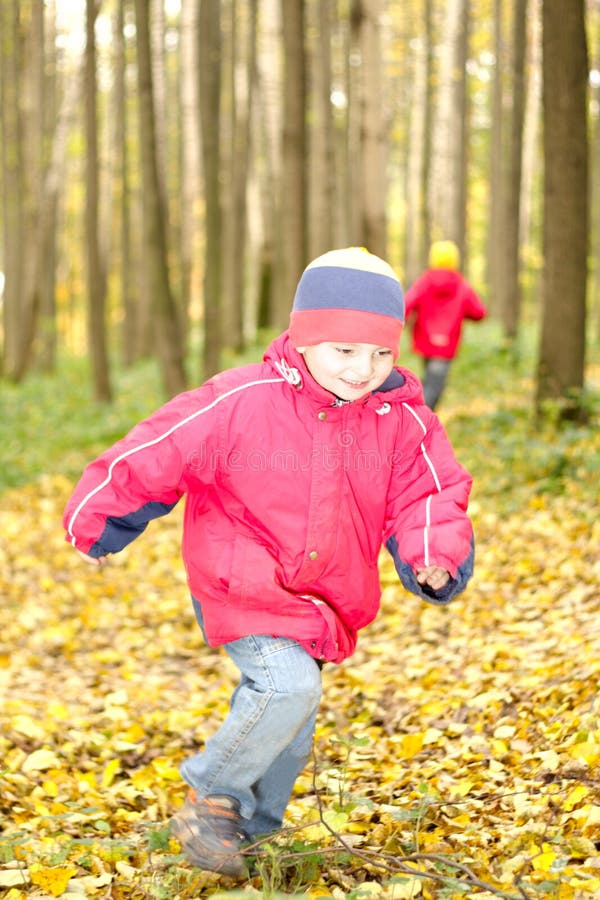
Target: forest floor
457 753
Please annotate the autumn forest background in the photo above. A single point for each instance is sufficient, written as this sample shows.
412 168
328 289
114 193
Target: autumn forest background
167 169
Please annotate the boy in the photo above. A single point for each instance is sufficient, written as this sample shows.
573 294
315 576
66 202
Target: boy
438 302
295 471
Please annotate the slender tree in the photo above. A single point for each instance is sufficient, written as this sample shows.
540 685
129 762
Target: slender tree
449 161
321 135
294 177
374 138
561 363
209 93
509 287
167 333
96 274
130 344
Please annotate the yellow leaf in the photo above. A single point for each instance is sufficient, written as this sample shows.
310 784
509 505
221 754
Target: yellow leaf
165 769
403 890
29 727
545 859
462 788
40 760
134 733
411 744
550 759
53 879
503 732
575 796
588 751
111 769
593 818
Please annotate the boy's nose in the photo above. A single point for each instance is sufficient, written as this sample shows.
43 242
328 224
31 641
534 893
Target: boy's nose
363 366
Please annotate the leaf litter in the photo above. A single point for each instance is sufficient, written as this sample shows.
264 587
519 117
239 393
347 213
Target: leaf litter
456 753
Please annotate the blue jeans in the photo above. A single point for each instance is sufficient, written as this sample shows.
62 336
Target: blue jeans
266 739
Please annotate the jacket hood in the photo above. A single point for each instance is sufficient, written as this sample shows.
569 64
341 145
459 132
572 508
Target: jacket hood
401 386
443 283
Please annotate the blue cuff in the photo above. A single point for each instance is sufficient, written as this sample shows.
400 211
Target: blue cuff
451 589
122 530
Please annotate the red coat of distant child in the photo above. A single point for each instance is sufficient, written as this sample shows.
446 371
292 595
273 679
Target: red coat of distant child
436 306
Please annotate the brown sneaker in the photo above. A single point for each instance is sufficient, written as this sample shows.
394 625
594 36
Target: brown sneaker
210 833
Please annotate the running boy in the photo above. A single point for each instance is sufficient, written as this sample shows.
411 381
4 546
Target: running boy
436 306
296 470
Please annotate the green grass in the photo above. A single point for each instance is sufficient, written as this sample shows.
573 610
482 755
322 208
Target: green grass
51 424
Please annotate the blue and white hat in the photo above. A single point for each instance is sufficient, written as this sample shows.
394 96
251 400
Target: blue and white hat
348 295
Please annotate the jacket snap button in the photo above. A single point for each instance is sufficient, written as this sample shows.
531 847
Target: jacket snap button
313 554
322 415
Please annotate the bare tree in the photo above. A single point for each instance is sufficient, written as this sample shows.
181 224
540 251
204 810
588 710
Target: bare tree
209 84
320 134
96 274
508 285
293 185
167 333
373 157
448 181
561 362
190 153
242 76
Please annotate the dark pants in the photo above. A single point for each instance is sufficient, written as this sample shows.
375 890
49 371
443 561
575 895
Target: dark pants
434 382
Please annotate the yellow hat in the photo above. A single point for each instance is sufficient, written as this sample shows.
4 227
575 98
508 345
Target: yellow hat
444 255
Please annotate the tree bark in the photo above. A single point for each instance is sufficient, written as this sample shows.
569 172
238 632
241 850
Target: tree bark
447 198
561 362
320 137
167 335
209 72
508 282
294 179
96 274
373 182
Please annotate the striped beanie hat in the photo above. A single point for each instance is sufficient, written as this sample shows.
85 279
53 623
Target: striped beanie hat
348 295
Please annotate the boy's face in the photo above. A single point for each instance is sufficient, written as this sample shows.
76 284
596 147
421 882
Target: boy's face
350 371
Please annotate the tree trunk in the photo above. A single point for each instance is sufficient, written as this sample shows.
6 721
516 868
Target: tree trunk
12 187
96 275
129 344
531 130
562 347
416 161
373 182
509 288
168 338
447 199
242 77
209 71
52 124
294 179
190 155
266 170
321 139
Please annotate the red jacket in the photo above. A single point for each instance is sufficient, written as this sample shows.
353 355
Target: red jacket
438 302
289 498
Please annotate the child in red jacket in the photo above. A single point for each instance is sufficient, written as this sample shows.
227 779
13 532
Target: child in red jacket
437 303
295 472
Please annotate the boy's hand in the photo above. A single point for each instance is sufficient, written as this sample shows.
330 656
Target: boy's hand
92 560
433 576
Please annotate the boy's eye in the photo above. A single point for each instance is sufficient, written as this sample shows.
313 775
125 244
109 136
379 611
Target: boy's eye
384 352
344 350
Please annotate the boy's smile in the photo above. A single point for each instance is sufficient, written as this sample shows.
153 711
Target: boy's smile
350 371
